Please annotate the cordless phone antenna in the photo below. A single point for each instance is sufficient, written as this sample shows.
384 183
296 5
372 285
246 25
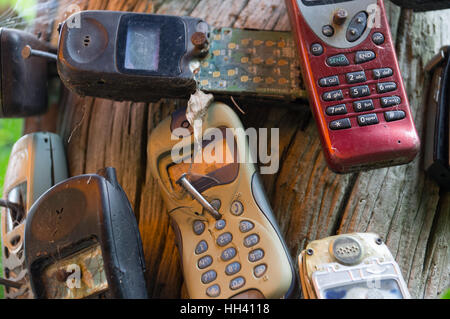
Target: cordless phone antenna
183 181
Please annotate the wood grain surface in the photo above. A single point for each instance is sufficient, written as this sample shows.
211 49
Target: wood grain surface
401 204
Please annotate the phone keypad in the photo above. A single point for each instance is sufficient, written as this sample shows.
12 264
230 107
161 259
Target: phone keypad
229 254
369 88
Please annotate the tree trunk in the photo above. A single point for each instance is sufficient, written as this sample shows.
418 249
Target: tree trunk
400 203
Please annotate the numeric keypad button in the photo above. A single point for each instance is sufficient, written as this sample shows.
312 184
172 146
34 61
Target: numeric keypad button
340 124
340 109
201 247
213 291
363 106
255 255
199 227
390 101
333 96
360 91
220 224
209 276
237 283
246 226
228 254
364 56
224 239
356 77
204 262
260 270
251 240
394 116
368 119
232 268
386 87
382 73
329 81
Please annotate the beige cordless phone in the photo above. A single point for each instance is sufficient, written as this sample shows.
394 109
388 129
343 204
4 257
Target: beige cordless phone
37 162
228 239
350 266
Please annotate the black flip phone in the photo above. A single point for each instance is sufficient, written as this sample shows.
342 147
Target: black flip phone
82 241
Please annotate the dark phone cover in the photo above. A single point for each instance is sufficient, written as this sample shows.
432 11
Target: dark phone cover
423 5
436 159
23 81
77 212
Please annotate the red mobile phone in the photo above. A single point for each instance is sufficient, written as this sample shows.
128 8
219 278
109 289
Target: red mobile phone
354 83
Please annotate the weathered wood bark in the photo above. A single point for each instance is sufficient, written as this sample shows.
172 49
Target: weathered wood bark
401 204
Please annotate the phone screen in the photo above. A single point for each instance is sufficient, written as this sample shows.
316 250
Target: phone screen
142 48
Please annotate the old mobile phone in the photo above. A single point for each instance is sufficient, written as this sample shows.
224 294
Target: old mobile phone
37 162
350 266
423 5
227 236
436 158
145 57
23 80
355 87
82 241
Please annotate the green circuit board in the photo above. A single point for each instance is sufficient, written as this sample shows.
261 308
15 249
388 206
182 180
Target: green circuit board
253 63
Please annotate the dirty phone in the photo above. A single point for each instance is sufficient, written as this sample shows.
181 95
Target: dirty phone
437 147
227 235
146 57
82 241
423 5
23 80
350 266
37 162
355 87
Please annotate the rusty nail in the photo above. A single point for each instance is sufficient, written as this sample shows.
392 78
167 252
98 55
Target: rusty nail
199 40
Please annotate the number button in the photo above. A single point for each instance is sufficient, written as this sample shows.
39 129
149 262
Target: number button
394 116
224 239
338 60
329 81
209 276
213 291
333 96
364 56
237 208
368 119
386 87
228 254
356 77
232 268
251 240
204 262
255 255
220 224
237 283
390 101
201 247
382 73
363 106
246 226
199 227
259 270
336 110
340 124
360 91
